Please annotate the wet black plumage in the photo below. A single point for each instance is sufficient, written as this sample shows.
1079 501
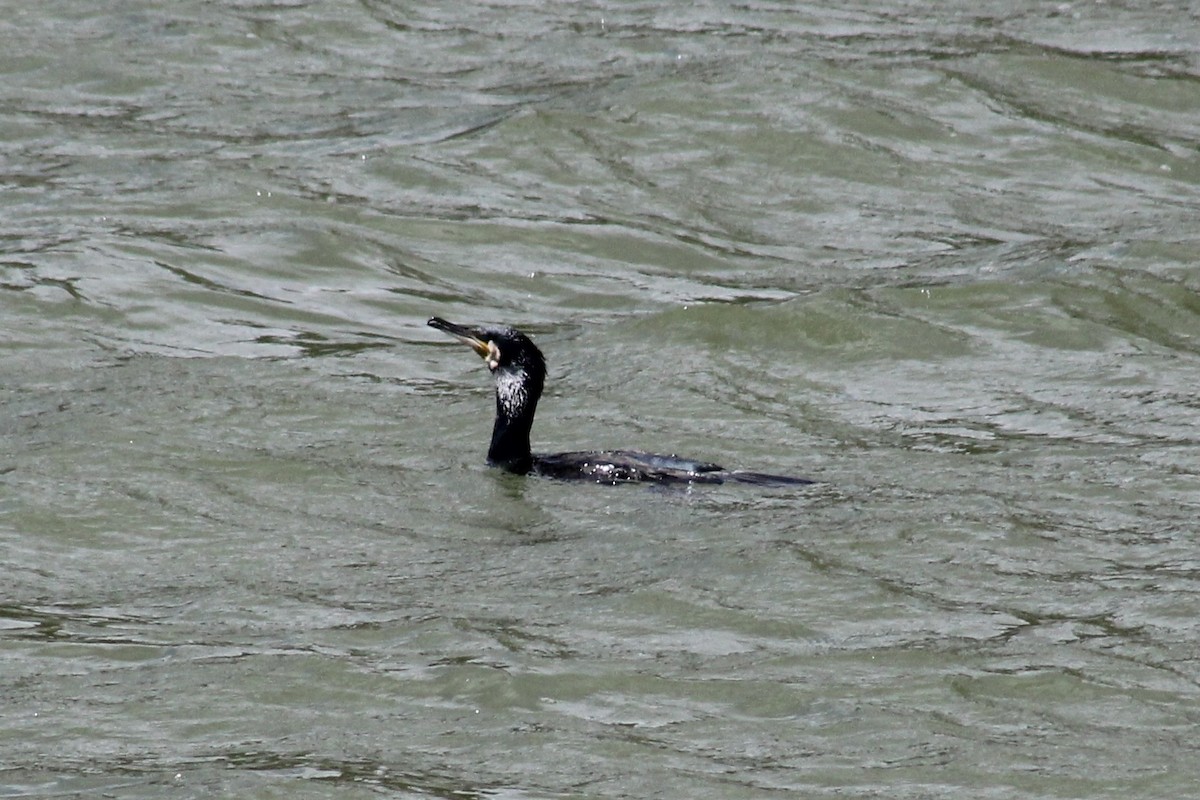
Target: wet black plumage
519 370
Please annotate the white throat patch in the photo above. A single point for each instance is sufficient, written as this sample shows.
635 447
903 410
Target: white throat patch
510 389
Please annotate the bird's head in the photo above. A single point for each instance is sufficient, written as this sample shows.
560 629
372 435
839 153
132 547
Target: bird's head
515 362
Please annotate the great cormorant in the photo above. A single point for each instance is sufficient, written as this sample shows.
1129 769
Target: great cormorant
520 373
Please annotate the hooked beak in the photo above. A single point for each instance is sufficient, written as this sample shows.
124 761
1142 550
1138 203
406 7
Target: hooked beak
467 336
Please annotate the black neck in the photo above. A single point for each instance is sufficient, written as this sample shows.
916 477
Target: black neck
510 438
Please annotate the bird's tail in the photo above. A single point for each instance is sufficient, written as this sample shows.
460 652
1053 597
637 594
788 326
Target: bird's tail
765 479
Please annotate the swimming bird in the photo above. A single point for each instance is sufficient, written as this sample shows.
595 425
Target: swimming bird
519 370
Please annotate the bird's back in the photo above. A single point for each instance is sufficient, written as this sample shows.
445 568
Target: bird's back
632 466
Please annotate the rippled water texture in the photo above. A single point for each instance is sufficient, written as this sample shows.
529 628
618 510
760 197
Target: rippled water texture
942 260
